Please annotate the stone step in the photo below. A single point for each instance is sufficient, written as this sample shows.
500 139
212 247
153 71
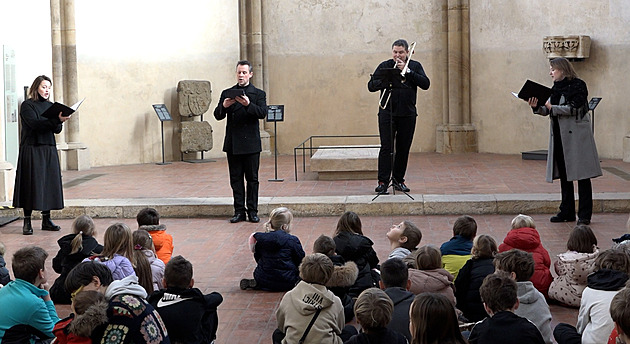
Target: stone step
345 162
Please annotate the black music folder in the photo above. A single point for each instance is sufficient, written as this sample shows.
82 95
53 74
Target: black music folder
234 92
533 89
56 108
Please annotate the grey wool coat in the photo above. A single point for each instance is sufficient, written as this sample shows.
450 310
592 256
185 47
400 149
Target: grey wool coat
578 144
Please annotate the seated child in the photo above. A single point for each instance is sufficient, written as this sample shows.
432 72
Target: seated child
4 272
620 314
149 220
89 310
73 248
594 323
353 246
309 300
524 236
573 266
27 313
117 251
343 277
277 253
519 265
373 311
430 276
498 293
471 276
199 325
395 282
404 238
143 242
433 320
456 252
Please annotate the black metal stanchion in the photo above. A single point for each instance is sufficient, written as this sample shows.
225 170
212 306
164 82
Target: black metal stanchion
275 114
163 115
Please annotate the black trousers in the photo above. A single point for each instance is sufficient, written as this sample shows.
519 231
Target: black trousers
585 189
566 334
403 129
244 166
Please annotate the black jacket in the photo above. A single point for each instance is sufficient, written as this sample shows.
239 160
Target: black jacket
358 248
189 316
4 272
242 132
37 130
278 255
403 100
380 336
64 262
505 327
402 300
467 286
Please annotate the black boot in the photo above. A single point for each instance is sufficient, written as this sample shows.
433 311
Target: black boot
27 228
47 224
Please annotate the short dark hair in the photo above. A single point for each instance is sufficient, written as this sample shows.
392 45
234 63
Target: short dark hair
484 246
401 43
413 235
244 63
498 292
373 309
148 217
316 268
620 310
28 262
613 259
178 273
465 226
394 273
325 245
519 262
33 91
428 258
582 239
84 273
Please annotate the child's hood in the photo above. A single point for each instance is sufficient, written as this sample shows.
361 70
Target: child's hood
344 275
307 298
94 316
272 241
523 238
151 228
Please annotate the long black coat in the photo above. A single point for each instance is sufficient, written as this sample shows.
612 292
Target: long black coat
242 131
467 286
38 175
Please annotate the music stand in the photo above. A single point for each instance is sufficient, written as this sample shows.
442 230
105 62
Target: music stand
393 79
163 115
275 114
591 106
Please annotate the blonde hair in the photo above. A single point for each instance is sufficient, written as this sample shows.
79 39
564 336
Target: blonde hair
279 219
316 268
522 221
118 240
82 225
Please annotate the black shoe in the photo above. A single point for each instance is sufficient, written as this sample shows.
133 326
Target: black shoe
381 188
583 222
560 218
27 228
48 225
237 218
247 284
253 217
401 187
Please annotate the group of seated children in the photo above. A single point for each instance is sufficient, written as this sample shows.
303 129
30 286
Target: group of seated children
103 285
498 287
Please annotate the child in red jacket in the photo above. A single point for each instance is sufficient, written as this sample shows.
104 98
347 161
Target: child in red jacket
89 310
525 237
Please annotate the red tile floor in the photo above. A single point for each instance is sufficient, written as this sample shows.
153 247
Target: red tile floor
219 252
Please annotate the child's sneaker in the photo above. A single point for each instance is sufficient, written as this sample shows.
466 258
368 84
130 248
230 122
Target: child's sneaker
248 284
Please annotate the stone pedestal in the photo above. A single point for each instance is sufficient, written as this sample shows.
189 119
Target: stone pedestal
78 159
626 148
345 163
456 139
265 140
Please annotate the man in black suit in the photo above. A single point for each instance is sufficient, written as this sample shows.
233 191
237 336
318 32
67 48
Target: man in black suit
242 140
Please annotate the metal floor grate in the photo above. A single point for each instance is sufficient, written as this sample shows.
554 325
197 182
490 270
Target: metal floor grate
82 180
619 173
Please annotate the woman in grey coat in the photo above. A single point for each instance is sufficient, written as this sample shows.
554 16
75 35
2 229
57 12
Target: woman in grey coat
572 153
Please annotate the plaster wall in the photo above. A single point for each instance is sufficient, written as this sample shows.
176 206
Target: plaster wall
506 49
132 55
320 54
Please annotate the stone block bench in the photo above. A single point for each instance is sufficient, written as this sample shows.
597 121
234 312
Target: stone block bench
345 162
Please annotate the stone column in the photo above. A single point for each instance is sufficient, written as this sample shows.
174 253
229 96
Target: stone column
74 154
456 134
251 32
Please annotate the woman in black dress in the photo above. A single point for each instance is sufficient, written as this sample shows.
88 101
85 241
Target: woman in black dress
38 175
